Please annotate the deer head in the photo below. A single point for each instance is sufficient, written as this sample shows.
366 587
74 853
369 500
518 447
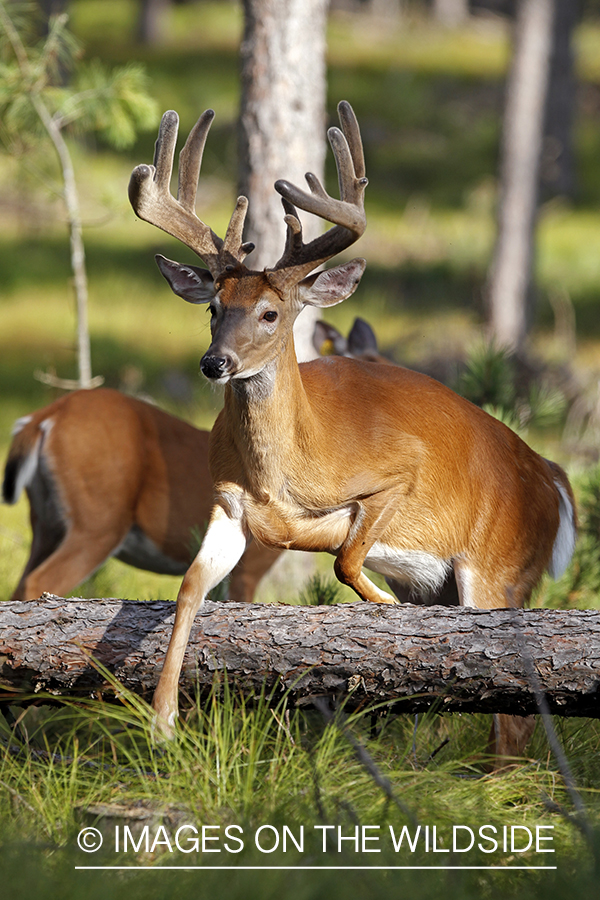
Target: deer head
252 313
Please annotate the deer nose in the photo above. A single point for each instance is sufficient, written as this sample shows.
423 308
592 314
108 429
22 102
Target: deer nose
215 366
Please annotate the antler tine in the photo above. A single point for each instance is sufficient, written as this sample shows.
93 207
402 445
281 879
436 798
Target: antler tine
350 127
234 250
152 201
164 148
347 214
190 161
293 241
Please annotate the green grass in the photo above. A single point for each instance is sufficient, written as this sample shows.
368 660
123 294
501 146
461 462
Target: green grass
243 764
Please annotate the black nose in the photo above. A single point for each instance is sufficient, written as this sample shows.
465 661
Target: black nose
214 366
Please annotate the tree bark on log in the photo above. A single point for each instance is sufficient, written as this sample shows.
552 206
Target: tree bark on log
453 659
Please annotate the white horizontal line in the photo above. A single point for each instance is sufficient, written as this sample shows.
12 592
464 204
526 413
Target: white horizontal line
312 868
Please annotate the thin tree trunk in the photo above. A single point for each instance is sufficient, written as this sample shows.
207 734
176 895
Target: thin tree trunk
511 269
282 123
71 199
453 659
451 13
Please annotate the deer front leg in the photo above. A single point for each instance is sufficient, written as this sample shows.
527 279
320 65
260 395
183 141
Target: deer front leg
222 547
372 518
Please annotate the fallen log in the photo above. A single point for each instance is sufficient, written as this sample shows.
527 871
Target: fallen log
454 659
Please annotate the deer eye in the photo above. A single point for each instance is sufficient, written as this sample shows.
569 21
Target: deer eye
270 316
212 310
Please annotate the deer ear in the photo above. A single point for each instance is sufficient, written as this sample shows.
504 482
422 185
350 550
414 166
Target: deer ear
331 286
190 282
361 338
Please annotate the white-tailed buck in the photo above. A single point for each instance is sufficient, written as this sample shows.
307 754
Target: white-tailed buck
108 475
378 465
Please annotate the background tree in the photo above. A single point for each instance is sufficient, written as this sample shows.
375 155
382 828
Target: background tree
451 12
151 21
281 135
282 122
36 105
557 173
522 134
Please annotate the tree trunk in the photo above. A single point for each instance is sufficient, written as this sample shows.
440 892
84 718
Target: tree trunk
451 13
282 123
282 135
557 173
151 21
511 269
454 659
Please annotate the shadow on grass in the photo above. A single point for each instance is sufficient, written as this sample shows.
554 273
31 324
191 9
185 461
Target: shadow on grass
423 286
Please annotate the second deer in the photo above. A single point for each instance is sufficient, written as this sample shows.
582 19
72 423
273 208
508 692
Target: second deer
108 475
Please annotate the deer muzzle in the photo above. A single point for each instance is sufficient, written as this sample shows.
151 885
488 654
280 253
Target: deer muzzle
215 367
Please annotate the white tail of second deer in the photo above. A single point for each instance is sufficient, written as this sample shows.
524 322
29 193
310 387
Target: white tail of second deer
378 465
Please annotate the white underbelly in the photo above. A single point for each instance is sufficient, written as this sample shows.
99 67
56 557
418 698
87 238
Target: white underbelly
423 571
138 550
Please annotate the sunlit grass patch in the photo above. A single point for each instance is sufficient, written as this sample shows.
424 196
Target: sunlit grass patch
413 44
15 538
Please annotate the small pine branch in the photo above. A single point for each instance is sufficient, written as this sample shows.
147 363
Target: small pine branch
490 380
489 377
320 591
35 105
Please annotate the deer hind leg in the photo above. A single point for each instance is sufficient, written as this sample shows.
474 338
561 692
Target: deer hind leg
78 555
509 735
222 547
45 540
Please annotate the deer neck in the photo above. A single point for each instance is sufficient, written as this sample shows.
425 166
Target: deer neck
270 417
